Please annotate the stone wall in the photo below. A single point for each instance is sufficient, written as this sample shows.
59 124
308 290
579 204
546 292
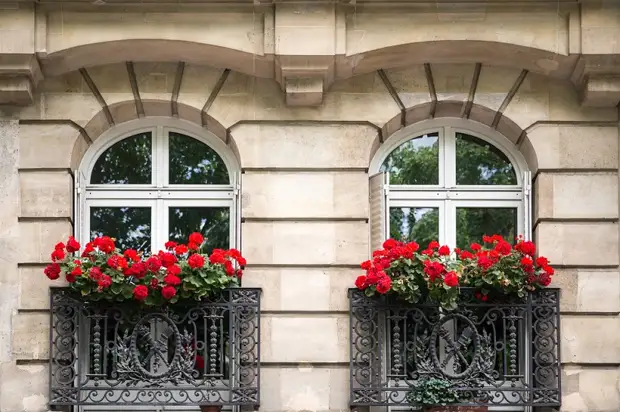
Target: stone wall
305 181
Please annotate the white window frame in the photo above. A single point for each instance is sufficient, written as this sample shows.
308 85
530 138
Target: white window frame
159 196
447 196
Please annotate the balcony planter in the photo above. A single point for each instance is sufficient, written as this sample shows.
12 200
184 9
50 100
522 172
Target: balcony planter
173 328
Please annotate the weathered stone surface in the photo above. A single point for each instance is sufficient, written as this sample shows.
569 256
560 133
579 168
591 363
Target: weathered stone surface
332 146
590 389
304 387
337 194
37 239
313 243
309 339
563 243
31 337
46 194
34 288
591 291
46 146
590 339
24 388
302 289
592 195
575 147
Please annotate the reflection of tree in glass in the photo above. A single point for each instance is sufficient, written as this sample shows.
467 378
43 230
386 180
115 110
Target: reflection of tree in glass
212 222
479 163
193 162
415 162
473 223
126 162
414 224
130 226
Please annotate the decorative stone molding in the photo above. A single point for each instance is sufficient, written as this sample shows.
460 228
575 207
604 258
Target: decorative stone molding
19 76
597 78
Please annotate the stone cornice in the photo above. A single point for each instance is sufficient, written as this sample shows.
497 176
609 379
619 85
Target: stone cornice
597 79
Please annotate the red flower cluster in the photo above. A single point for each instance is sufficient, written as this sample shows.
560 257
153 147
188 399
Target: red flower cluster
436 272
180 271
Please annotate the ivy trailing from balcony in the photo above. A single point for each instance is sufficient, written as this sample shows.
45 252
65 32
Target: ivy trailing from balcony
181 272
495 268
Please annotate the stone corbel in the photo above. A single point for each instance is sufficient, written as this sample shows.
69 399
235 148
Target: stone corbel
19 76
597 79
304 80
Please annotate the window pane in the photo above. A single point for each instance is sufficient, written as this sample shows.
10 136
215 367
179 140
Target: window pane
130 226
415 162
126 162
212 222
473 223
480 163
419 224
193 162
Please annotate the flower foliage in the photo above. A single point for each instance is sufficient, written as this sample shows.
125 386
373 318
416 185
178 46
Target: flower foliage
494 268
104 272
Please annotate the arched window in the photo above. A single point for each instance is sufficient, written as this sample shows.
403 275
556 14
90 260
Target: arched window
144 183
452 181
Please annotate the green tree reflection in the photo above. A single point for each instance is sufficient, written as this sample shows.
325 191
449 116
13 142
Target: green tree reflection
477 163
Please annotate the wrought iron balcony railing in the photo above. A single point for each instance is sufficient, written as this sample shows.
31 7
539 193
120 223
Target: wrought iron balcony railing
493 354
202 353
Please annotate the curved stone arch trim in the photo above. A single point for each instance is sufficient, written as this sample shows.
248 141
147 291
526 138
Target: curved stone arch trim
117 133
474 128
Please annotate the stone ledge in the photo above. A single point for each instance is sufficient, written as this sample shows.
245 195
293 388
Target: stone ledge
19 76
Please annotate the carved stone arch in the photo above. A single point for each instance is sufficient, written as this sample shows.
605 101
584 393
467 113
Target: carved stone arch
483 121
123 112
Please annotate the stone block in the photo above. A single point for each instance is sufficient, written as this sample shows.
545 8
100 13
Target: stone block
46 194
34 288
112 80
320 146
302 289
198 83
304 339
575 147
590 389
574 195
591 291
333 194
304 388
79 107
452 81
579 244
37 239
31 336
24 388
155 80
305 243
590 339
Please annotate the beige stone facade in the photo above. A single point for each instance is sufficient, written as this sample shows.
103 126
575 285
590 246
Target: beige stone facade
304 94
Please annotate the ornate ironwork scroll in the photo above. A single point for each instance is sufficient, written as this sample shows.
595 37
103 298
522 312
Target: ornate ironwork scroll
200 353
495 354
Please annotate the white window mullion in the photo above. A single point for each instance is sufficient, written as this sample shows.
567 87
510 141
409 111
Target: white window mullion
449 223
159 178
442 157
527 205
449 158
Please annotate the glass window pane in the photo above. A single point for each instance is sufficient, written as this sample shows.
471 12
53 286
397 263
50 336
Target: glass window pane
126 162
415 162
419 224
473 223
212 222
193 162
130 226
480 163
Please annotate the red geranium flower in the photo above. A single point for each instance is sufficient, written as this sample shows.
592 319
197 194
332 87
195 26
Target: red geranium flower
384 284
132 255
170 244
360 282
167 259
444 251
153 264
196 261
72 245
168 292
196 238
172 280
140 292
52 271
180 249
105 282
173 270
451 279
58 254
389 244
105 244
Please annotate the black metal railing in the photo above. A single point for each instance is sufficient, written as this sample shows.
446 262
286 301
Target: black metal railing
200 353
504 354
